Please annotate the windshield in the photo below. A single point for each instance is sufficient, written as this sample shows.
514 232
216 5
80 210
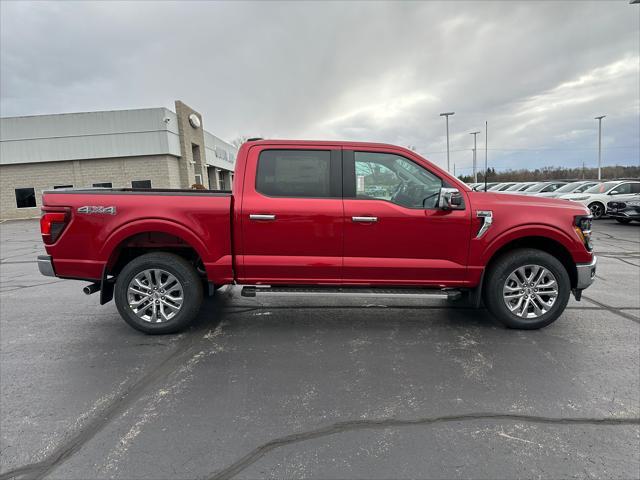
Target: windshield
536 187
602 187
496 187
514 187
569 187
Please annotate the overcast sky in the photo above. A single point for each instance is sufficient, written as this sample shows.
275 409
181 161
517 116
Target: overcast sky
537 71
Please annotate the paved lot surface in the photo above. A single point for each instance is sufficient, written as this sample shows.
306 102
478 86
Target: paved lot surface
318 387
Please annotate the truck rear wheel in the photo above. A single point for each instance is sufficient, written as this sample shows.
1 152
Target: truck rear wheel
527 289
158 293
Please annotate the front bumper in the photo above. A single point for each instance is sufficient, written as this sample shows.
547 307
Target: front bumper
625 214
45 265
586 273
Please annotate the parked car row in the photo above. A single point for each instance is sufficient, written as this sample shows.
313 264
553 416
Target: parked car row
618 198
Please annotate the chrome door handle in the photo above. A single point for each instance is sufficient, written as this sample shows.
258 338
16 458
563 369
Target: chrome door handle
364 219
261 217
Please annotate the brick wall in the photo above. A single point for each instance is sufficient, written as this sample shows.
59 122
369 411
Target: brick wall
190 137
162 170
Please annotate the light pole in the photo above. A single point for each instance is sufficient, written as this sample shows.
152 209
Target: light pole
599 144
475 170
486 142
446 116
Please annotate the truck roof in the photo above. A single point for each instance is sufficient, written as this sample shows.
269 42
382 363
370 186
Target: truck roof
343 143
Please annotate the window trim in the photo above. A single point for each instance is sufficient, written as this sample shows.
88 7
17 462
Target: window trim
349 177
335 172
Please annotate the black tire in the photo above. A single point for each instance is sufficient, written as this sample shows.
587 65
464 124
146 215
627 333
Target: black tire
496 279
185 274
623 220
597 210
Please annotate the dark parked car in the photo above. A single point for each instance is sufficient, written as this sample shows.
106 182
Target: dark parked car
625 209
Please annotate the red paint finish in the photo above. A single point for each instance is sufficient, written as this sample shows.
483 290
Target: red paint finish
311 240
303 244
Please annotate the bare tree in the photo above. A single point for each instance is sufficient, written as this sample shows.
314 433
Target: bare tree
236 142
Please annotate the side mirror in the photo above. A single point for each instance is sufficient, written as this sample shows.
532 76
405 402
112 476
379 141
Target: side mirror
613 192
450 199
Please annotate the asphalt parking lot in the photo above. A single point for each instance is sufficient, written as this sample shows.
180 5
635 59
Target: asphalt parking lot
318 386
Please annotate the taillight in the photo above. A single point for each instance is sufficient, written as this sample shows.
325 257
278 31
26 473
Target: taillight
52 223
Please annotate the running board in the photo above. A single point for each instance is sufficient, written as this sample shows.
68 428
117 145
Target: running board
252 291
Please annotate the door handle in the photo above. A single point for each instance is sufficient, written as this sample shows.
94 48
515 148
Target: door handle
254 216
364 219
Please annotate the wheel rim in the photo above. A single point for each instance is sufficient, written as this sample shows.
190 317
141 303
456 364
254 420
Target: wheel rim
596 210
155 295
530 291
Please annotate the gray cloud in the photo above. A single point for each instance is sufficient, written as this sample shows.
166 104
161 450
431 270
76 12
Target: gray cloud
537 71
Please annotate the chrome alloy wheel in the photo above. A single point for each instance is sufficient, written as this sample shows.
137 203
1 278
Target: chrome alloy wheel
155 295
530 291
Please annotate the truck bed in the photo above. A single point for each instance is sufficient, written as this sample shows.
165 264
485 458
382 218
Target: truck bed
104 221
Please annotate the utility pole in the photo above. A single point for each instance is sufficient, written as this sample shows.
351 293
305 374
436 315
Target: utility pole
486 139
446 116
600 145
475 168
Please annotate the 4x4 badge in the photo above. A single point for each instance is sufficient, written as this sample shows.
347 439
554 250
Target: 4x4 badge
97 210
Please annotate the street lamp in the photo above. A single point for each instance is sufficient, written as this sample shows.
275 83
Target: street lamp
599 144
475 170
446 116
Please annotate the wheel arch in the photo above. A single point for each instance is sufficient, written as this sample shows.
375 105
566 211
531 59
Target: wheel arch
141 237
544 243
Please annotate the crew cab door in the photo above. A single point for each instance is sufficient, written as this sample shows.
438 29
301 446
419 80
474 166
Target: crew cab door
394 233
291 215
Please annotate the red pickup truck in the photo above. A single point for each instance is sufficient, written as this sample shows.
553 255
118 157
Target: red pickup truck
332 216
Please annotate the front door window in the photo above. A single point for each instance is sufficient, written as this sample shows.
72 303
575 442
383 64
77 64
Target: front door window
385 176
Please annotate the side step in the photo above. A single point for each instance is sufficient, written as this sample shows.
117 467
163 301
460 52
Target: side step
252 291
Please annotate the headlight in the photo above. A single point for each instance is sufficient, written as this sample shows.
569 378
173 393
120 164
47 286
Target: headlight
578 199
582 227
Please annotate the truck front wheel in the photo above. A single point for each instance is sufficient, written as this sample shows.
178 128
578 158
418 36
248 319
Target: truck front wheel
527 289
158 293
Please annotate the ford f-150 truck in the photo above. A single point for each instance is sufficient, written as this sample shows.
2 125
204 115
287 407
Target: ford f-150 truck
332 216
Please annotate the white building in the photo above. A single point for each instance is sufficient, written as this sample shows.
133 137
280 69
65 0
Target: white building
145 148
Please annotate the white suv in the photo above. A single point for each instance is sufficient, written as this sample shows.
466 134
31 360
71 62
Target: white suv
597 197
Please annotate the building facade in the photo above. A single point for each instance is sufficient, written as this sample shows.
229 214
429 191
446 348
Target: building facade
144 148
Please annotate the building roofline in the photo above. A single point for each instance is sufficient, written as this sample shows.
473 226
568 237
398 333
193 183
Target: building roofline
87 112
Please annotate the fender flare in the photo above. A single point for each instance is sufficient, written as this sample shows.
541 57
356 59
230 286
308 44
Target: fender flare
146 225
524 231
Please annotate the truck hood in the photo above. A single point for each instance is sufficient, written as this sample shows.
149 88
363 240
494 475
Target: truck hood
486 200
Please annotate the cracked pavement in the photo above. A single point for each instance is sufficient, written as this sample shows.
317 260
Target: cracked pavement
318 386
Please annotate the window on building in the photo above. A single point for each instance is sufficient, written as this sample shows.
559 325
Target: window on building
390 177
56 187
195 153
25 197
140 183
103 185
221 182
294 173
198 179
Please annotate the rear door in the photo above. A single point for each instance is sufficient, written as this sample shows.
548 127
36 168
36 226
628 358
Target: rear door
393 231
292 215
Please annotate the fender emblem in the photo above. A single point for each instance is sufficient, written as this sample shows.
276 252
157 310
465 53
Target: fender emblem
487 220
97 210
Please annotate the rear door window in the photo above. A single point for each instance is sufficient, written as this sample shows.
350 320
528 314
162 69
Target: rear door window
295 173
